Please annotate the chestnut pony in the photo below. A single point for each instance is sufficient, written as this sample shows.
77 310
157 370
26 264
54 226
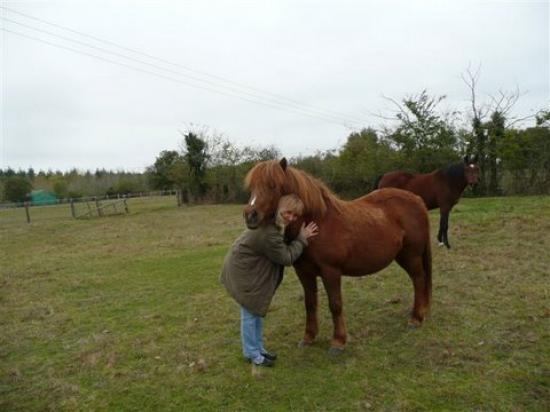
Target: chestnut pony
356 238
439 189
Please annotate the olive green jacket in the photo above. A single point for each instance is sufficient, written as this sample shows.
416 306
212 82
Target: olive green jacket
253 267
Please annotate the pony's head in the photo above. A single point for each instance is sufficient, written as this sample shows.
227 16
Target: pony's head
471 170
267 183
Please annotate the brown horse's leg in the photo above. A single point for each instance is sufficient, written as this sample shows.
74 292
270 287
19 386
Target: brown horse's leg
309 283
440 231
443 236
420 274
332 283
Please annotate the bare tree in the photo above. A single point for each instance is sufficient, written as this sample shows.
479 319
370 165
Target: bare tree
490 121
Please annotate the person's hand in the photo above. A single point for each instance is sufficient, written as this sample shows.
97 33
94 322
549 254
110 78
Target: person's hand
310 230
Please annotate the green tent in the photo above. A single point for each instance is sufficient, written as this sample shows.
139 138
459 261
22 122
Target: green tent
43 197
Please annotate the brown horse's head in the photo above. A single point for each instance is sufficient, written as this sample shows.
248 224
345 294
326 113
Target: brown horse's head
267 183
471 170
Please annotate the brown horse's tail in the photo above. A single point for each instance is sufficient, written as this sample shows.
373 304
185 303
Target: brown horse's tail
427 266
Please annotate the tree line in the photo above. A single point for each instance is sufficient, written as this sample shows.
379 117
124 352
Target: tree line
419 137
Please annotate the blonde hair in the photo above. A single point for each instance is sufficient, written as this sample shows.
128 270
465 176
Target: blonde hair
288 203
291 203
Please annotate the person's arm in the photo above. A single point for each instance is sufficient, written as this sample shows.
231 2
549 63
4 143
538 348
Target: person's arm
276 250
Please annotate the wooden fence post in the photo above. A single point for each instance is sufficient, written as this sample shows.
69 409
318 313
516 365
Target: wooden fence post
27 212
72 209
126 207
98 207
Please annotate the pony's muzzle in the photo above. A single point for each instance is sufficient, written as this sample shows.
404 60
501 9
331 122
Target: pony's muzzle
251 218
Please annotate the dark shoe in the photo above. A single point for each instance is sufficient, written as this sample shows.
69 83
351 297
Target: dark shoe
270 356
265 362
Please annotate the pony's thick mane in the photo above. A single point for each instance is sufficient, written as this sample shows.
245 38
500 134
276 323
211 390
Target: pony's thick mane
315 194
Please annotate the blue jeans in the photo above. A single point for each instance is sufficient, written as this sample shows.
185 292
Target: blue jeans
251 336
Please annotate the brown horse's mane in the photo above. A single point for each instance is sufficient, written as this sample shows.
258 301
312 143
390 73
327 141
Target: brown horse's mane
454 171
315 194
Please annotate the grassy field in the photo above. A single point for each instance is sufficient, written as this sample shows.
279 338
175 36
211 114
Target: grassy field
126 313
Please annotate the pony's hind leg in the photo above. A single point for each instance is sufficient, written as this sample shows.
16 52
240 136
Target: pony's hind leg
416 268
309 284
332 283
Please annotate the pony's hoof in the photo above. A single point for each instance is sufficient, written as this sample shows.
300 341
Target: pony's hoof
441 244
335 351
414 324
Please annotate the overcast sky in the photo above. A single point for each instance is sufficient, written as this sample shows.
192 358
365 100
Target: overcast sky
296 74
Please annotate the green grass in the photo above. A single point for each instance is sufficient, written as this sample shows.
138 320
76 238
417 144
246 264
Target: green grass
126 313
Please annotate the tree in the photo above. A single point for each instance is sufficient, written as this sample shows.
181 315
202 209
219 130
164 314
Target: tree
16 189
323 165
226 174
60 187
179 174
196 157
526 161
9 172
486 134
425 138
543 118
126 184
160 175
495 134
362 159
262 154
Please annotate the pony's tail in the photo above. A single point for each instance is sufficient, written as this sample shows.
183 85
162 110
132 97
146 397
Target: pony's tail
427 266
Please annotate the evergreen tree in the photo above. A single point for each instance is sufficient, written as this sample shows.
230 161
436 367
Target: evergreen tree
196 157
17 189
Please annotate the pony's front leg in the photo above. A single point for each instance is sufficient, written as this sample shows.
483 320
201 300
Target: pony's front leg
443 228
440 231
309 283
332 283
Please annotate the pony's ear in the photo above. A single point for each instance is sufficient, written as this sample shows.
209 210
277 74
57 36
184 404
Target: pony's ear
466 159
283 163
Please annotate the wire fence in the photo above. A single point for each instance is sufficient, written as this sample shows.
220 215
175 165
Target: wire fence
86 208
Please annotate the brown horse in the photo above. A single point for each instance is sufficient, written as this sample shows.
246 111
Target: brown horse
355 238
439 189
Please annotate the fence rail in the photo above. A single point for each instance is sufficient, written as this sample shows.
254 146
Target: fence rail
86 208
9 205
100 209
